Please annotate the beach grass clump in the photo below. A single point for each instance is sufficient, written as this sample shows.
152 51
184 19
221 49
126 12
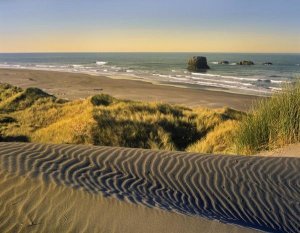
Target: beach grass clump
272 123
140 125
15 99
218 141
102 99
7 91
155 125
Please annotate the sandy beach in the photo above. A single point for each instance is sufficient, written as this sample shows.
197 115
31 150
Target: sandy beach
75 86
67 188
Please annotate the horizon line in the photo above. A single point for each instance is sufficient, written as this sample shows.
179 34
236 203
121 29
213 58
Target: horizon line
146 52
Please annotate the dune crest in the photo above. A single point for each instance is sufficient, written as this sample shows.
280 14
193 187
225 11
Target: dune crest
255 192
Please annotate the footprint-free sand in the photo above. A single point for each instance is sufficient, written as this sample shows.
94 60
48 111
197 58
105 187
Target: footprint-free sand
67 188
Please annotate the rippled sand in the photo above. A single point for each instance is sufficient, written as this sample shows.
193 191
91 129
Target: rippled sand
66 188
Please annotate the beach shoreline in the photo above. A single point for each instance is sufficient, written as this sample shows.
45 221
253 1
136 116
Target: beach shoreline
77 85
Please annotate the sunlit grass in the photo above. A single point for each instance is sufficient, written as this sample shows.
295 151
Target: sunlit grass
104 120
33 115
272 123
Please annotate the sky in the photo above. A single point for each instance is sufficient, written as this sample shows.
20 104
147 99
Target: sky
150 26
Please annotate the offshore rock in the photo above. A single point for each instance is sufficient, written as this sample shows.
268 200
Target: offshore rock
198 64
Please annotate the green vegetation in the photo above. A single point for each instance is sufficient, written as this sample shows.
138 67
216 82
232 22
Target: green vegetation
32 115
272 123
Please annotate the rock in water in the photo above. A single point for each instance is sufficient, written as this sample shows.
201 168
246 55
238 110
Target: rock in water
198 64
246 63
267 63
223 62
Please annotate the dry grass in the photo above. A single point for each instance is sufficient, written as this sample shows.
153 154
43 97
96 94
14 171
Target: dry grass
218 141
104 120
34 116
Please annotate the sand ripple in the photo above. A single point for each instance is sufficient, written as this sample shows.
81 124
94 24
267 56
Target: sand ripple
256 192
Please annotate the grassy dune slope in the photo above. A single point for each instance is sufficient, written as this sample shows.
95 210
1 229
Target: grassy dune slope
34 116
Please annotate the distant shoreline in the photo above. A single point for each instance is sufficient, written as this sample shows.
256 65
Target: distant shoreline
77 85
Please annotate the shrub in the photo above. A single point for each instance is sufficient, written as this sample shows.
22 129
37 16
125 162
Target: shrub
19 100
7 120
102 99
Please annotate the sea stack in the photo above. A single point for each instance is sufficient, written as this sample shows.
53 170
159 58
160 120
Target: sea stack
198 64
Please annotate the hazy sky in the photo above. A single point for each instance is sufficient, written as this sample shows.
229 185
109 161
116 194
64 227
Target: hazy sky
150 25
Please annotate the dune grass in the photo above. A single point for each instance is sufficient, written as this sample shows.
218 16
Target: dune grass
33 115
218 141
272 123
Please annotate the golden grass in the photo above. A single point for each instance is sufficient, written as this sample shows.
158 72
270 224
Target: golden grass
104 120
218 141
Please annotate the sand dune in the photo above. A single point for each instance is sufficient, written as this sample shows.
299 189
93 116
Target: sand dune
66 188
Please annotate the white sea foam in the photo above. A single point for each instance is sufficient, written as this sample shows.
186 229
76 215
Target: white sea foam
101 63
223 81
226 77
278 81
164 76
218 85
77 66
178 78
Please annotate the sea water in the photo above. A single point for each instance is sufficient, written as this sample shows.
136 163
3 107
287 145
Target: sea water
171 68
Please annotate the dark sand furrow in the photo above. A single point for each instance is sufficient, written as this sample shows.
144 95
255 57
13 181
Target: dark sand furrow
262 193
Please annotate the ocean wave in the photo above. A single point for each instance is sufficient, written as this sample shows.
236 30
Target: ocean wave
77 66
218 85
5 65
223 81
278 81
178 78
45 66
226 77
101 63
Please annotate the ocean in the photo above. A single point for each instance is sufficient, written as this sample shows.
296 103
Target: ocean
170 68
